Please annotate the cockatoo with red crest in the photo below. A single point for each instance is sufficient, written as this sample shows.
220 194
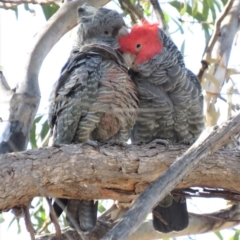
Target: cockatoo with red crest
170 107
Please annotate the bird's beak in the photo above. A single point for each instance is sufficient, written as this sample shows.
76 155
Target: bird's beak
129 60
123 31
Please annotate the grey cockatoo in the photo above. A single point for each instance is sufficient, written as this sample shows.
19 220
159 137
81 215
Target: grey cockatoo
170 104
94 98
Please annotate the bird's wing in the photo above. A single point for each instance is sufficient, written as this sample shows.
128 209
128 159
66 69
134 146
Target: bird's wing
69 100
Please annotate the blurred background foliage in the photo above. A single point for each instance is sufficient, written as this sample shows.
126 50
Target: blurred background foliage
202 12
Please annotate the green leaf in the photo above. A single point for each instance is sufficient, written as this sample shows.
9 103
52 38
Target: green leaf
183 9
219 235
49 10
224 2
179 26
205 10
101 208
198 16
1 218
27 8
11 222
212 8
166 17
183 47
235 236
194 7
15 9
33 139
18 225
45 129
218 5
147 12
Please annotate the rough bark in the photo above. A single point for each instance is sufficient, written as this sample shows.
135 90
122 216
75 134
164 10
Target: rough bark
77 171
218 56
208 142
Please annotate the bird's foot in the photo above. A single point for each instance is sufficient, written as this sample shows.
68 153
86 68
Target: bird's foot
161 141
58 145
115 142
93 144
118 143
187 141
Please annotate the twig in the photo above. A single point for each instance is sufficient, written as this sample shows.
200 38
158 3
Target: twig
28 222
3 83
133 9
205 65
207 143
159 14
216 32
216 221
207 56
208 193
234 106
54 217
44 2
131 14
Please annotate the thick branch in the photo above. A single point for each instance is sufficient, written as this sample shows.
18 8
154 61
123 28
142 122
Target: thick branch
208 142
222 42
212 78
216 32
17 2
77 171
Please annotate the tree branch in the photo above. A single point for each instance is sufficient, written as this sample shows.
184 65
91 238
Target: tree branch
42 2
159 14
217 27
217 55
197 224
74 171
133 9
208 142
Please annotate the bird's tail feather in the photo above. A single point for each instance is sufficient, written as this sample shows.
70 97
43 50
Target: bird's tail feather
82 214
59 205
170 214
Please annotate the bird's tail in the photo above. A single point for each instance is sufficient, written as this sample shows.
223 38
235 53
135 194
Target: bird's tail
170 214
82 214
59 205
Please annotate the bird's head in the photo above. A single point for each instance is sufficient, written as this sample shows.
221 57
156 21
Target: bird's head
100 25
141 44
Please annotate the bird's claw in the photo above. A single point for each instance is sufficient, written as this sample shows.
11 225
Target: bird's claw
93 144
162 142
187 141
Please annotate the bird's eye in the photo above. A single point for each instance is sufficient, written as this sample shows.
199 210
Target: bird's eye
138 46
106 32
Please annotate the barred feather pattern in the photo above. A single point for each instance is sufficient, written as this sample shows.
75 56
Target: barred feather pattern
170 107
171 103
94 99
